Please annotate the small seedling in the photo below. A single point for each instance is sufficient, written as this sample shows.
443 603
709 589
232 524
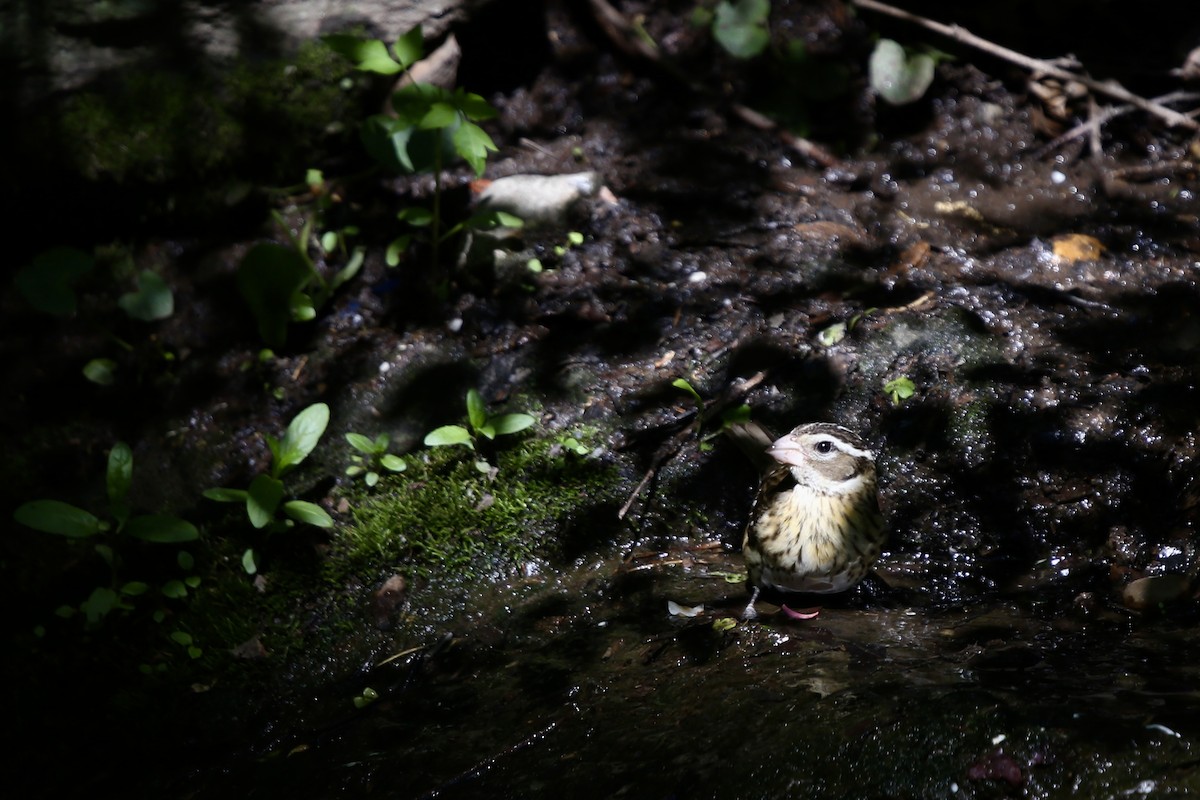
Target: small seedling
729 416
264 497
481 424
373 457
899 389
897 77
741 27
111 533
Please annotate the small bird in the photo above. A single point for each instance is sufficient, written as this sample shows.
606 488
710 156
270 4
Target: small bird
816 525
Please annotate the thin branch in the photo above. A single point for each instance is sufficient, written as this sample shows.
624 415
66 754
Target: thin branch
1112 112
1110 88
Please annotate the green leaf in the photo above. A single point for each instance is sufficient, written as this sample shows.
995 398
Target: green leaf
534 265
393 463
682 383
476 409
361 443
63 519
511 423
134 588
262 500
832 334
329 241
410 47
175 589
101 371
575 238
162 528
899 389
448 435
372 479
741 27
308 513
100 602
897 78
181 637
732 416
193 581
487 430
47 282
250 562
223 495
185 560
473 106
268 278
473 144
369 55
120 472
301 436
152 300
416 216
396 248
439 115
350 270
301 307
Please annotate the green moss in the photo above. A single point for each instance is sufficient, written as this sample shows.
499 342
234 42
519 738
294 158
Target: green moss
443 515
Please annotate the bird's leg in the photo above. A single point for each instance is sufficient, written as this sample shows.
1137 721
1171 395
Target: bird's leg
750 613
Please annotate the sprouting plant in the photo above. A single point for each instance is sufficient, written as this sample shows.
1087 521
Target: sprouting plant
729 416
264 497
899 389
489 426
373 457
430 127
282 284
834 333
899 77
574 239
113 534
741 26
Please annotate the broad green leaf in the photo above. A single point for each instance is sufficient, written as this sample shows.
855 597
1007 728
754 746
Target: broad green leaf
410 47
308 513
185 560
301 307
134 588
314 178
262 500
473 105
152 300
476 409
181 637
63 519
162 528
193 581
250 562
120 472
101 371
393 463
223 495
439 115
386 141
897 78
511 423
372 479
369 55
741 27
47 282
175 589
473 144
447 435
329 241
100 602
487 430
381 442
268 278
361 443
302 435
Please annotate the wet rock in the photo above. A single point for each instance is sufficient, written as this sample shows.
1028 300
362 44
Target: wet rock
388 599
1155 590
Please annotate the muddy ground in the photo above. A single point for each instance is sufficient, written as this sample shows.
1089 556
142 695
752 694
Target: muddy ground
1041 300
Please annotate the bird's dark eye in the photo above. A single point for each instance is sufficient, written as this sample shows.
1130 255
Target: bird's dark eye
824 446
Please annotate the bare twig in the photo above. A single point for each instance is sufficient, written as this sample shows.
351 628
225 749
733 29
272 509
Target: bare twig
1110 88
1112 112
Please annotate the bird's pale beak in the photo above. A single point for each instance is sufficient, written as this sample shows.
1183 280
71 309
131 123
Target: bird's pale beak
785 452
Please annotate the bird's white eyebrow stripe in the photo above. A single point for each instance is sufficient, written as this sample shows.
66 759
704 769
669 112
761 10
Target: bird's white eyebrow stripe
854 451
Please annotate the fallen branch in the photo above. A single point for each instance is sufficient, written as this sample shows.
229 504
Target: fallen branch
1093 125
1109 88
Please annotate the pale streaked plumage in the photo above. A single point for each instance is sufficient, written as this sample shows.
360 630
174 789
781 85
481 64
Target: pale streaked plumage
816 525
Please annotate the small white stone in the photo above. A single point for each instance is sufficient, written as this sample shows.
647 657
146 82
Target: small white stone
699 276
